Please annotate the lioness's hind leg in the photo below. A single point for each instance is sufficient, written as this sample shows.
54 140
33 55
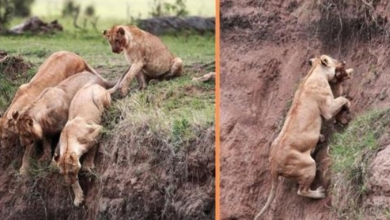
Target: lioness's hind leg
176 68
306 178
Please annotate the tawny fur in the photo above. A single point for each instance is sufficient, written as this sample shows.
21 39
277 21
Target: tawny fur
59 66
207 77
148 56
44 119
290 154
80 135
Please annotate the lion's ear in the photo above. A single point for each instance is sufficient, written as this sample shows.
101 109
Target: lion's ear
104 32
15 115
324 61
121 31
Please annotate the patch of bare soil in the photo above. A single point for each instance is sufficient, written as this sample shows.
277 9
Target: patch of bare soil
265 48
13 68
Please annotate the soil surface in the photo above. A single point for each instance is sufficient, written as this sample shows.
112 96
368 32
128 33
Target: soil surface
265 48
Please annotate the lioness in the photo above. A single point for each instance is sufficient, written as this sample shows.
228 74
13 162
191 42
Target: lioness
290 154
146 53
59 66
80 134
44 119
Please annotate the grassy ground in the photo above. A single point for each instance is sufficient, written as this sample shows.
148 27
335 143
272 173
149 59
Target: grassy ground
96 50
351 153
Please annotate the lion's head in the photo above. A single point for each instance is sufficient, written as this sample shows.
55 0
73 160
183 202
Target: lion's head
334 69
8 131
29 130
117 38
69 166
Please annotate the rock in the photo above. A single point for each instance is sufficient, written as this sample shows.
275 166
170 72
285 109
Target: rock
36 25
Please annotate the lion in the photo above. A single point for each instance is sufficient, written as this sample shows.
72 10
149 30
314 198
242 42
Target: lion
44 119
80 135
59 66
290 154
336 86
148 56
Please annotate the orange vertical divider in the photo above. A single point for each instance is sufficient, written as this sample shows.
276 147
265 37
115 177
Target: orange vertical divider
217 105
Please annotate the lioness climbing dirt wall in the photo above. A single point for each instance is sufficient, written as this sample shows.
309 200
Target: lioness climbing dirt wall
265 48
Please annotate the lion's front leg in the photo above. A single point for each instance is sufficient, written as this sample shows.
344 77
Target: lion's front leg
176 68
89 161
135 69
78 194
141 81
46 157
333 106
28 151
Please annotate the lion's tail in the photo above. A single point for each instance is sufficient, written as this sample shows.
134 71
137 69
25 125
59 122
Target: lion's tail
118 83
91 69
274 185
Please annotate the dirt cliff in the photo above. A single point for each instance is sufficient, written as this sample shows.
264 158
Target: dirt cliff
155 160
265 48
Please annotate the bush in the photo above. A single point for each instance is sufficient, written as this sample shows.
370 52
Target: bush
22 7
6 12
161 8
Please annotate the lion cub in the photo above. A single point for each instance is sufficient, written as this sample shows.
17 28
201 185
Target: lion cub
148 56
290 154
44 119
80 134
59 66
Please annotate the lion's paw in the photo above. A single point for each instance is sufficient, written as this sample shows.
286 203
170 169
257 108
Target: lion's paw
348 104
23 170
78 200
321 192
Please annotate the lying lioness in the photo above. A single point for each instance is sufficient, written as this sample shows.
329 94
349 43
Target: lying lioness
80 134
44 119
290 154
146 53
55 69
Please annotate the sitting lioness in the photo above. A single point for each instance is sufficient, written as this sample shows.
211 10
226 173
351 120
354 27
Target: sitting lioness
44 119
146 53
290 154
80 135
55 69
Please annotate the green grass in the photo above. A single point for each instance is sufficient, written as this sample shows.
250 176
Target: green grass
351 153
176 109
97 51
